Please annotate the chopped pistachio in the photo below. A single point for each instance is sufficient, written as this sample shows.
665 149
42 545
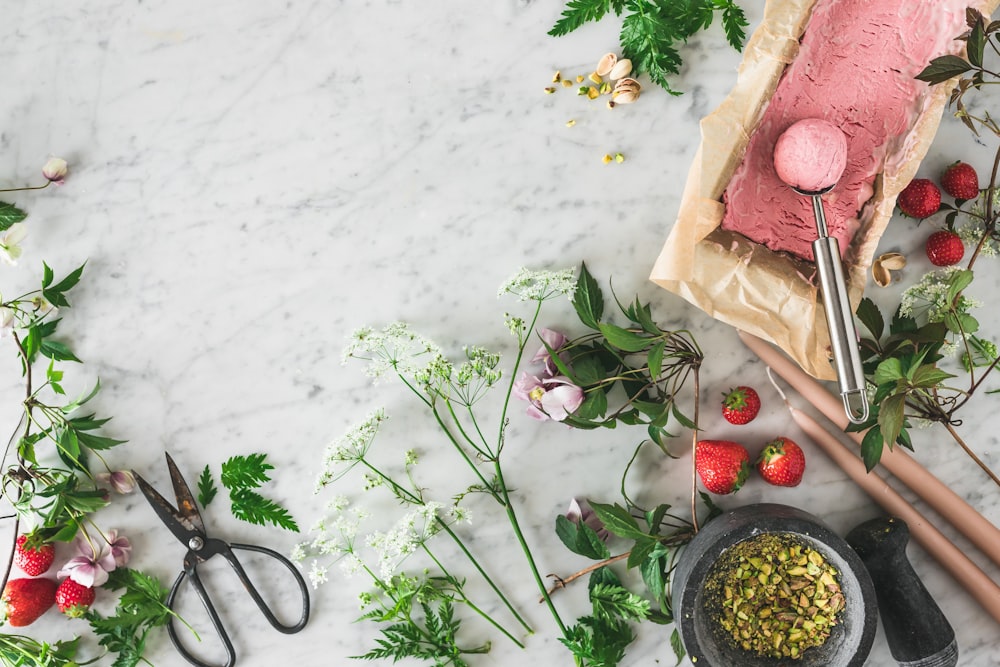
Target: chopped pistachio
557 77
550 90
593 93
606 159
570 123
619 158
595 77
774 596
567 83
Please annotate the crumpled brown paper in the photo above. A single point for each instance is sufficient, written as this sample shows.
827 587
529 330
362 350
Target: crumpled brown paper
772 295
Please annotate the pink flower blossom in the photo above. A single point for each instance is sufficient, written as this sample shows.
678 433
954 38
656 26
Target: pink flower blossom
89 567
121 548
555 341
549 398
561 398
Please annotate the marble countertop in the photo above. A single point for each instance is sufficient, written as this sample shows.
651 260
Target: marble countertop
251 182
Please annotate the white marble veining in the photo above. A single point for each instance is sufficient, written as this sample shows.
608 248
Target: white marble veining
252 181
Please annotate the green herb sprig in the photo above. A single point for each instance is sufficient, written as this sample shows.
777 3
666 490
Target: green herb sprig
653 30
242 475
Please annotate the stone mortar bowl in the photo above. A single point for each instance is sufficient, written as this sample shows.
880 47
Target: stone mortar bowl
851 639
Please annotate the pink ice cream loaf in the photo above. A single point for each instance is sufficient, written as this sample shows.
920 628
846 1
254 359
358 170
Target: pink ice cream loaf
855 68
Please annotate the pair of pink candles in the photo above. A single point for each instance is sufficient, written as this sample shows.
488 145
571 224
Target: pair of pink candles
943 500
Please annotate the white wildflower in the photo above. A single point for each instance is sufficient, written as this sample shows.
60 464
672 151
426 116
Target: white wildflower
317 574
299 552
348 450
394 349
410 458
539 285
515 325
459 514
350 565
6 321
930 296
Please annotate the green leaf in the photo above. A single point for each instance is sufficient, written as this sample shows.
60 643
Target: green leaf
655 516
871 448
655 359
681 418
651 569
870 316
890 370
588 300
677 645
648 41
10 215
254 508
976 44
578 12
928 375
81 400
55 293
581 539
57 351
245 472
623 339
734 22
640 551
890 417
611 601
943 68
958 281
593 407
97 442
206 487
618 520
588 369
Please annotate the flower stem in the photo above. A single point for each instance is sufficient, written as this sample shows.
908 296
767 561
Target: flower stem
489 619
512 517
406 494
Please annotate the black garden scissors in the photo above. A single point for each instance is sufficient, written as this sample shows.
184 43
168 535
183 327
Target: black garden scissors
186 524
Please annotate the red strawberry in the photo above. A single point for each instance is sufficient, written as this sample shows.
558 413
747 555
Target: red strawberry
920 199
961 181
944 248
32 555
740 405
25 600
781 463
722 465
74 599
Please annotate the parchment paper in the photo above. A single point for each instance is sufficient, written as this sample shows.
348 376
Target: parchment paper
769 294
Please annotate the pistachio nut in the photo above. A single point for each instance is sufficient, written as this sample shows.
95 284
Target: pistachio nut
621 69
626 91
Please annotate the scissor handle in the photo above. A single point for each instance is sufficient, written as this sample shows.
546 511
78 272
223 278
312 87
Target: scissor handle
190 571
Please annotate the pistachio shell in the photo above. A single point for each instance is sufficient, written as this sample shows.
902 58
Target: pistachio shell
606 63
621 69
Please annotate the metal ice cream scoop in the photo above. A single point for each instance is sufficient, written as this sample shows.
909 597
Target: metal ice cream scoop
839 315
810 157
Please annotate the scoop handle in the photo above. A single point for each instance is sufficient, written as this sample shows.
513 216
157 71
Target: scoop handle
918 632
843 334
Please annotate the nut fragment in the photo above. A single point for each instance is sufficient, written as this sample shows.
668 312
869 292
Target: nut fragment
626 91
606 63
595 77
881 267
621 69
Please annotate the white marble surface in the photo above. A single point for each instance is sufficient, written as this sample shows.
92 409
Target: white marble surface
252 181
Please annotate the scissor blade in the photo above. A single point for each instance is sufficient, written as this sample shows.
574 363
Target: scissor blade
186 506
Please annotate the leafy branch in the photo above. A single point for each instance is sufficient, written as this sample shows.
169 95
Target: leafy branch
653 31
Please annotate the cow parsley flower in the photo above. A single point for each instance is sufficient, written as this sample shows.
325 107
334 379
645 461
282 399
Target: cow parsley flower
393 349
348 450
529 285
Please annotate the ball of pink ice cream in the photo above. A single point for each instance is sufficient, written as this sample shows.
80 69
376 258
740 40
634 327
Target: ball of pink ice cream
811 155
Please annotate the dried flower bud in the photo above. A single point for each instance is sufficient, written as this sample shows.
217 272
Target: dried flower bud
621 69
122 481
55 170
606 63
